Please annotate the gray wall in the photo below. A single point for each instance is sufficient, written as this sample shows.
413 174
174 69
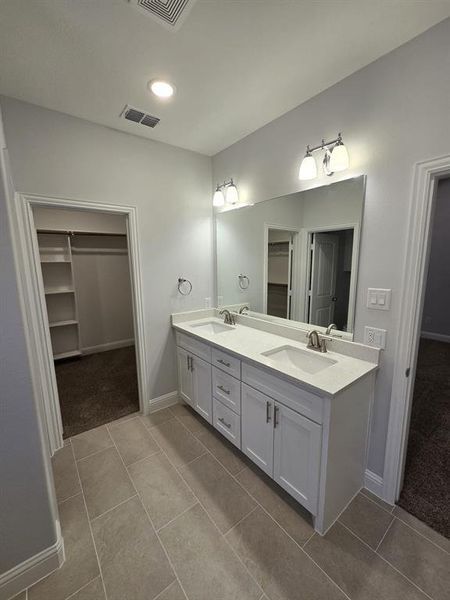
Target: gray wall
436 313
58 155
27 517
392 114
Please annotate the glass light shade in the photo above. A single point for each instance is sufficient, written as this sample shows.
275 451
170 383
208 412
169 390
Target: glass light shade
308 168
162 89
339 158
218 199
231 194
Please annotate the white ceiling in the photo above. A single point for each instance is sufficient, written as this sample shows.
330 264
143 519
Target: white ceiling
237 64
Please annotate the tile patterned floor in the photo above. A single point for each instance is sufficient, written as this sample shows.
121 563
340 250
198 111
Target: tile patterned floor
164 508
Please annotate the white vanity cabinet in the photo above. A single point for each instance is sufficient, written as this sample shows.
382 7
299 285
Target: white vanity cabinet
312 444
194 380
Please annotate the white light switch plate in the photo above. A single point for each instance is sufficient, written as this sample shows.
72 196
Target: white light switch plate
207 302
375 337
379 298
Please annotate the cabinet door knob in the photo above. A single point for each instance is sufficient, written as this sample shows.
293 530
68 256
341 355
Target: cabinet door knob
275 416
222 420
222 389
268 407
223 362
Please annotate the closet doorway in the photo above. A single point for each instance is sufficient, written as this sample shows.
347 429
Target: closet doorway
426 485
86 280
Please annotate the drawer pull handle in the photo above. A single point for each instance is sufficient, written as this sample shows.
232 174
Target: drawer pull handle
268 407
223 362
222 420
222 389
275 416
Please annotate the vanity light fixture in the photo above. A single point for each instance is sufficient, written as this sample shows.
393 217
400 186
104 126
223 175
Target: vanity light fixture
335 159
231 195
162 89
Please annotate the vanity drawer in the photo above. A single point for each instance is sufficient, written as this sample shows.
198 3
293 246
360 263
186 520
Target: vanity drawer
226 362
227 389
304 402
194 346
227 422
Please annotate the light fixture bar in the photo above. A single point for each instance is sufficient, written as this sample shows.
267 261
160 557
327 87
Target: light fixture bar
324 144
335 158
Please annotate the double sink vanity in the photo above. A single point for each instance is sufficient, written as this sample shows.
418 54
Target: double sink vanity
300 415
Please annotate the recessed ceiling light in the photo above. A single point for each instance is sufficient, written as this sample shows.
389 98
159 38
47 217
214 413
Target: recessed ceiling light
162 89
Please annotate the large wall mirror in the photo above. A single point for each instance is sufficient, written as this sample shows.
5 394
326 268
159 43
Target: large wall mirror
294 257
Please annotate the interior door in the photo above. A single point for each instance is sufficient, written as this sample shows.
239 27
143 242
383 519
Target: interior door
323 278
201 387
257 428
297 451
185 376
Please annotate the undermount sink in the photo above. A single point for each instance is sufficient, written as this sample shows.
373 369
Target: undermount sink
303 360
212 327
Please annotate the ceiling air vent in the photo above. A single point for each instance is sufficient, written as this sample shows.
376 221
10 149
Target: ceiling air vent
139 116
170 13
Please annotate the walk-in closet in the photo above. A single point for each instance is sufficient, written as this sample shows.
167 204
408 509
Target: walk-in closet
87 287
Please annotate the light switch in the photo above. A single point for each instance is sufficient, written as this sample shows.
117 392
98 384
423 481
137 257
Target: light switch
375 337
379 298
207 302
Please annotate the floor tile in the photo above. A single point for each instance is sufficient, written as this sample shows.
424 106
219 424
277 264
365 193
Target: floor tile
158 417
173 592
91 441
204 562
133 440
178 443
133 561
227 454
162 490
65 474
225 500
284 509
377 500
358 570
422 528
80 566
190 419
367 520
277 563
92 591
105 481
417 558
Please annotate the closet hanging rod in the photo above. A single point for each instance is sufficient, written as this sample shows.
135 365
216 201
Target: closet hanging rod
75 232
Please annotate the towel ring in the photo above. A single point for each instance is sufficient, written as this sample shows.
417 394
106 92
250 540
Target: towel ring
181 282
242 280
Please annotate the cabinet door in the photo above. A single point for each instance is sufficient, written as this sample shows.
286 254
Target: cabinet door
297 450
257 428
201 385
184 376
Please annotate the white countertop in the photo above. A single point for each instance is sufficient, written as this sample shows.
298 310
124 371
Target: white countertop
249 344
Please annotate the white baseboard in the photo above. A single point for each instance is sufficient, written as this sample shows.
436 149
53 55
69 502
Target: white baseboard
374 483
107 346
439 337
33 569
163 401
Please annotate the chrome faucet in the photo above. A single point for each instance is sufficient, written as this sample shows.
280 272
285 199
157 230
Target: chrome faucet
241 310
315 342
330 327
228 318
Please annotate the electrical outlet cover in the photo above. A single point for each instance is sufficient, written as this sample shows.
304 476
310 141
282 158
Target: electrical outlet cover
375 337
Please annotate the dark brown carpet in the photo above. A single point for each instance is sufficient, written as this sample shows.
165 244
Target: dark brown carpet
96 389
426 489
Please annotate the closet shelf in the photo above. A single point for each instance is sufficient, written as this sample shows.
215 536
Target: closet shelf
66 354
55 259
59 290
63 323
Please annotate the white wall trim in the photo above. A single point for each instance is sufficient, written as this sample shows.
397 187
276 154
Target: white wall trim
374 483
163 401
439 337
33 569
26 249
421 208
107 346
